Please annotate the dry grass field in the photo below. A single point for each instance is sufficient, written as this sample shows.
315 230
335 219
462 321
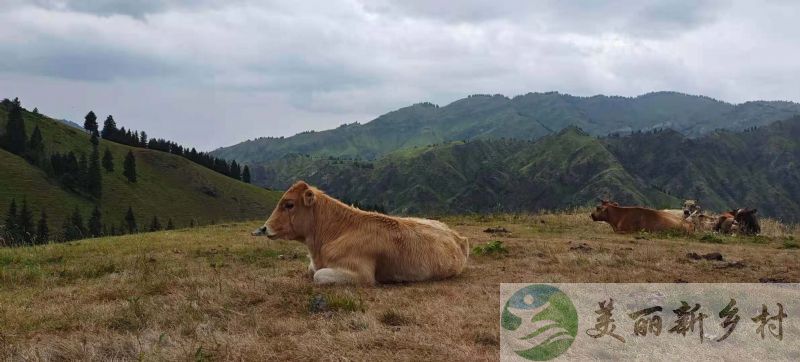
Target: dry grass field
216 293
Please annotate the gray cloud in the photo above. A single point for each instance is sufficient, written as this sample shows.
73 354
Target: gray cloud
133 8
232 70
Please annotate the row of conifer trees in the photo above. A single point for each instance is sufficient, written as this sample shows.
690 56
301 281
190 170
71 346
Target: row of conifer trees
19 228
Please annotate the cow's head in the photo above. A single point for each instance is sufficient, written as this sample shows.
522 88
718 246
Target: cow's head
690 208
601 212
293 216
747 220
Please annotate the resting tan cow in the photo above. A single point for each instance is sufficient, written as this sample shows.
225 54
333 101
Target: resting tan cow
351 246
625 219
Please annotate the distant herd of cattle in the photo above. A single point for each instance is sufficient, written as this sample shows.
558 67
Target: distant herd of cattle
625 219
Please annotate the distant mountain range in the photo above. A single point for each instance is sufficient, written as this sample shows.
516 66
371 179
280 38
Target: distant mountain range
527 117
724 169
549 151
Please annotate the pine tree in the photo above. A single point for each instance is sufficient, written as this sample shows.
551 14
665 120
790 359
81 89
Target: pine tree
191 223
11 222
68 231
96 223
42 230
25 223
143 139
90 123
15 138
36 147
155 225
246 174
108 160
94 176
130 167
35 110
73 227
109 129
130 221
236 172
170 225
94 140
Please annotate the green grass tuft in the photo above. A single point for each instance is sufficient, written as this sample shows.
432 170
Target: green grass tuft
711 238
494 247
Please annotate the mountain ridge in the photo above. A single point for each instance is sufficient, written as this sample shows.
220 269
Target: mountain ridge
527 116
723 169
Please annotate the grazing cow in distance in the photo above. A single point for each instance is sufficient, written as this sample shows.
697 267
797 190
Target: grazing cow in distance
351 246
747 221
625 219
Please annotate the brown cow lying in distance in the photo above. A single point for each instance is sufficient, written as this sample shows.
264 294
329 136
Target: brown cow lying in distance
351 246
726 223
625 219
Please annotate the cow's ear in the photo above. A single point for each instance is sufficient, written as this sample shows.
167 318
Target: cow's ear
309 197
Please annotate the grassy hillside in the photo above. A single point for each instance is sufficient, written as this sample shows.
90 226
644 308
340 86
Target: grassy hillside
560 171
215 293
168 186
529 117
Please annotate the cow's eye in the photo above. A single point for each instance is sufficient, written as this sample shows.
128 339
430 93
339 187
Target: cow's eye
289 205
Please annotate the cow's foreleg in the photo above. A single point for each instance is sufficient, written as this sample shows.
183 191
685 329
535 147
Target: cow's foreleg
311 267
342 276
335 276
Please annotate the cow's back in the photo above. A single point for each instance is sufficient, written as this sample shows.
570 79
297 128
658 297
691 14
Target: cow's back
635 219
421 249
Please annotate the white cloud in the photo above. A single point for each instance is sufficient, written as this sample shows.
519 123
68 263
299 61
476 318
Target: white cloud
214 72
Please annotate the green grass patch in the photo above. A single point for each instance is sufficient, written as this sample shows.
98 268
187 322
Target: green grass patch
711 238
759 239
494 247
335 302
790 243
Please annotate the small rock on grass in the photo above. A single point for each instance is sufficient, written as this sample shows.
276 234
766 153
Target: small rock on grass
710 256
497 230
581 247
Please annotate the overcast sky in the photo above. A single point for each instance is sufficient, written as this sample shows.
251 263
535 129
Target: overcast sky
212 73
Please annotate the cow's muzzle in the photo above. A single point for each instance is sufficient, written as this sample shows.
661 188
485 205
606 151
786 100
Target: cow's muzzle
260 231
264 231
